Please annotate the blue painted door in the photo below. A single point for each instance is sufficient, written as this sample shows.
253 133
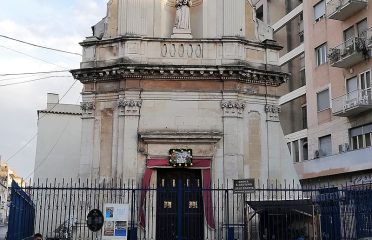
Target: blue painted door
179 213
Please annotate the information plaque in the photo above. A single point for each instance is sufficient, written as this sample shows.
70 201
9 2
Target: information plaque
244 185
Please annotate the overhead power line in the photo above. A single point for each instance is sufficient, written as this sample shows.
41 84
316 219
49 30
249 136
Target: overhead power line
31 73
21 148
32 80
13 78
34 136
32 56
39 46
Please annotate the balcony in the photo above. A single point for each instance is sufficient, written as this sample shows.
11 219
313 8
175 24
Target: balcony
347 162
352 103
349 53
343 9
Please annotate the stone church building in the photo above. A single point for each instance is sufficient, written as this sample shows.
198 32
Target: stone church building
194 78
178 97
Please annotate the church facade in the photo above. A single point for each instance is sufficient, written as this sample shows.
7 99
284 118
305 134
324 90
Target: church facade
181 93
181 75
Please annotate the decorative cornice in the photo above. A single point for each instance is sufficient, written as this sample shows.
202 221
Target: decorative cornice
241 73
232 108
180 137
266 44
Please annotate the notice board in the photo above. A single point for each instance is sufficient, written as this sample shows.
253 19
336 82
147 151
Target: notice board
116 218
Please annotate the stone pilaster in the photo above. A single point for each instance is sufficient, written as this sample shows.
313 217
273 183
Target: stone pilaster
233 145
133 17
129 113
87 139
234 18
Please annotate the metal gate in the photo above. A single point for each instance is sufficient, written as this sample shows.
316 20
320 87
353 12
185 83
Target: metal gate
21 214
58 210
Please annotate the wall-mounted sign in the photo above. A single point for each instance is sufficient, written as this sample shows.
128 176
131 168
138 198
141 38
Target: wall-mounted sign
244 185
116 221
180 157
95 220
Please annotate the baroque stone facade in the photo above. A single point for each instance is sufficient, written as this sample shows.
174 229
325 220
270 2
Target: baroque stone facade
196 79
148 90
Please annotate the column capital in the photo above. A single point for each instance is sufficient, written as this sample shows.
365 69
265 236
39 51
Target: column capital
232 108
88 109
272 112
129 107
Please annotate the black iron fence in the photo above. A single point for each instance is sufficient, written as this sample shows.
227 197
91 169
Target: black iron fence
184 211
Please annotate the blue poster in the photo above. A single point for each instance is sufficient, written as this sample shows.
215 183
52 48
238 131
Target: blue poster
121 232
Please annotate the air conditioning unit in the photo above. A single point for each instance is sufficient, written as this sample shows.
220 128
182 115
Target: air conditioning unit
316 154
342 148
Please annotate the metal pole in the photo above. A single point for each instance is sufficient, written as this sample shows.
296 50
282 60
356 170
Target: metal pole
245 228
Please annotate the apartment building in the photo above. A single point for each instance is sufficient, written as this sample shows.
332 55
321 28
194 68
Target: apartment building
326 106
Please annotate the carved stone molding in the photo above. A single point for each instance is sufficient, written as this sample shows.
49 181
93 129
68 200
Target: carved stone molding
189 137
272 112
233 108
87 108
181 50
239 73
129 107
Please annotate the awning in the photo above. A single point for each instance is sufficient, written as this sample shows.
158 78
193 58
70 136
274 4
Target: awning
303 206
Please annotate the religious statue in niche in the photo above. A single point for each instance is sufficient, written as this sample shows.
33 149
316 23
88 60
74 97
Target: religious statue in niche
183 14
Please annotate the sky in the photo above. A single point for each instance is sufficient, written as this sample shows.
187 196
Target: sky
60 24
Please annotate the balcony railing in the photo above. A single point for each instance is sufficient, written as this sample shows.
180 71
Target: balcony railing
343 9
352 103
349 53
369 38
346 162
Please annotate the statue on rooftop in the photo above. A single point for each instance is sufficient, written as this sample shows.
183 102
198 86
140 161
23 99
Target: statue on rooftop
183 14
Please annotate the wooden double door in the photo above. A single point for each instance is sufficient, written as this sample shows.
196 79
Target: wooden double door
179 212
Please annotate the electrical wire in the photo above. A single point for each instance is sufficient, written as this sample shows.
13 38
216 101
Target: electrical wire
68 90
32 80
50 151
21 148
13 78
52 148
39 46
33 137
11 49
32 73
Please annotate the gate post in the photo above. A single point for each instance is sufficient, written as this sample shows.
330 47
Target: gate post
245 220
